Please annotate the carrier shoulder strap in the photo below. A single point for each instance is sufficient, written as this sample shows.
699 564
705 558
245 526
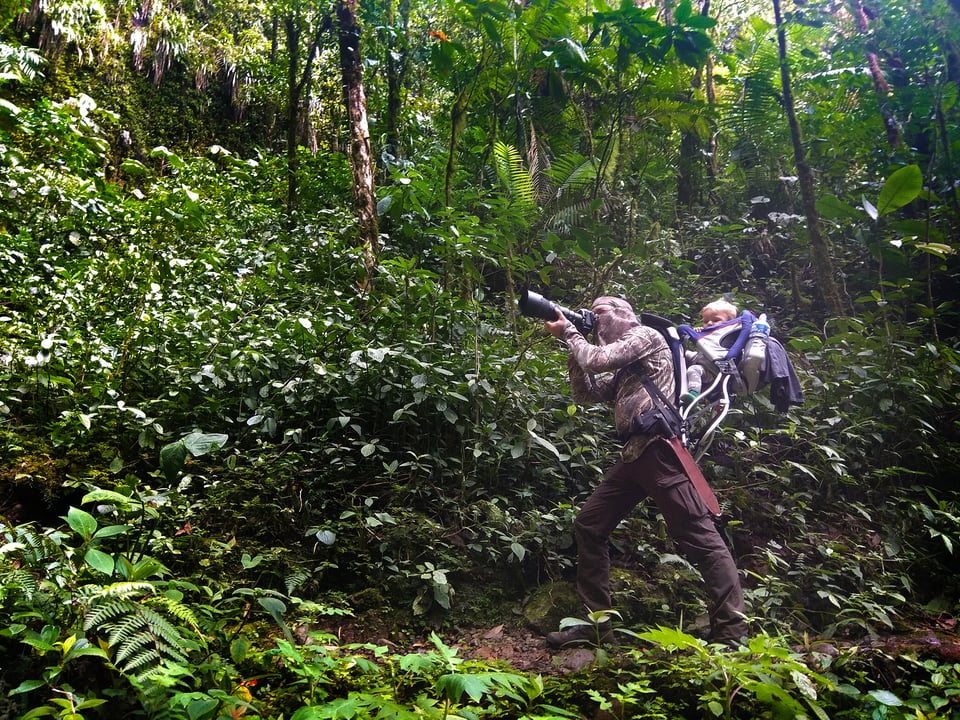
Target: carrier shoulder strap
693 472
655 393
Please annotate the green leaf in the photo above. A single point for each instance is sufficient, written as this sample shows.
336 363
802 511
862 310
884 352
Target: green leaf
145 567
804 684
901 188
545 443
885 697
327 537
9 107
454 686
239 649
26 686
81 522
249 562
201 707
111 531
85 649
941 250
108 497
831 207
172 459
919 229
134 168
99 560
701 22
198 444
275 607
441 593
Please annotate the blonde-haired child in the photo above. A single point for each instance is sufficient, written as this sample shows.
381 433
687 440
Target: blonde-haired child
711 314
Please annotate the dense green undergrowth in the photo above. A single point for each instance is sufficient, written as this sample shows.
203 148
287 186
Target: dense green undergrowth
214 439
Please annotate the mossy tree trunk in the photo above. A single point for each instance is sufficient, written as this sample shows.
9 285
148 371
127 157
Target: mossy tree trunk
361 158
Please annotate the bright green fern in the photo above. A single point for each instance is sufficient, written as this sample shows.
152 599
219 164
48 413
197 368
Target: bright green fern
144 628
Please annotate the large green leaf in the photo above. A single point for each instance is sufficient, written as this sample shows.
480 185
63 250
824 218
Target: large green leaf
81 522
172 459
901 188
833 208
109 497
99 560
198 443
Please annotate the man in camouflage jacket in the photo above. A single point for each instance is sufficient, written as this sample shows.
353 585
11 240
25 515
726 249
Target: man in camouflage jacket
649 466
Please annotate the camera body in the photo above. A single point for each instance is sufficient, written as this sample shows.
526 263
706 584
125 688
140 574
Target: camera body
537 306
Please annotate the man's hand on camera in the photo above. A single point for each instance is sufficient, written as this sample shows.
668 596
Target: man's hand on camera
557 327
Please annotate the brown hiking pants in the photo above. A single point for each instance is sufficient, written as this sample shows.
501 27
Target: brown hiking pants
658 474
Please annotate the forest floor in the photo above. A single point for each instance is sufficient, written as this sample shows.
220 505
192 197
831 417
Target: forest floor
521 648
526 651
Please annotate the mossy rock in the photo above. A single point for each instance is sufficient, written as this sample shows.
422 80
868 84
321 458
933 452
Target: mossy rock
368 599
550 603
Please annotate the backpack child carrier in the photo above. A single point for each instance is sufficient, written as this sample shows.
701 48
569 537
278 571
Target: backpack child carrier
739 358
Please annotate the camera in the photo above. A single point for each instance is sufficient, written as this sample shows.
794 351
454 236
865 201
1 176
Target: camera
537 306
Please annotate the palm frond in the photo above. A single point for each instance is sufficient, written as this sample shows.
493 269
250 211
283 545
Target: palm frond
538 161
574 174
567 217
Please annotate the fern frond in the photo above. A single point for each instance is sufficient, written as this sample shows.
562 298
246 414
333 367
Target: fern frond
160 627
513 175
538 160
122 590
151 672
295 580
178 610
29 546
101 614
570 216
20 581
149 658
125 631
140 626
134 646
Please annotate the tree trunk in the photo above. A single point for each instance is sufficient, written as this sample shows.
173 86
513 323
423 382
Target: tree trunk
297 84
361 161
397 64
458 123
293 31
880 84
712 165
819 243
690 163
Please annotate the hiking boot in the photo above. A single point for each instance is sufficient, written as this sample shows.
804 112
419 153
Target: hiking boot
578 635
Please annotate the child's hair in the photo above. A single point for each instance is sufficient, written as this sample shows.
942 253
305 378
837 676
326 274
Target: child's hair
725 308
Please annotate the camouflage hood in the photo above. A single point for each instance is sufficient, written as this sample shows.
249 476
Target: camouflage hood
614 324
